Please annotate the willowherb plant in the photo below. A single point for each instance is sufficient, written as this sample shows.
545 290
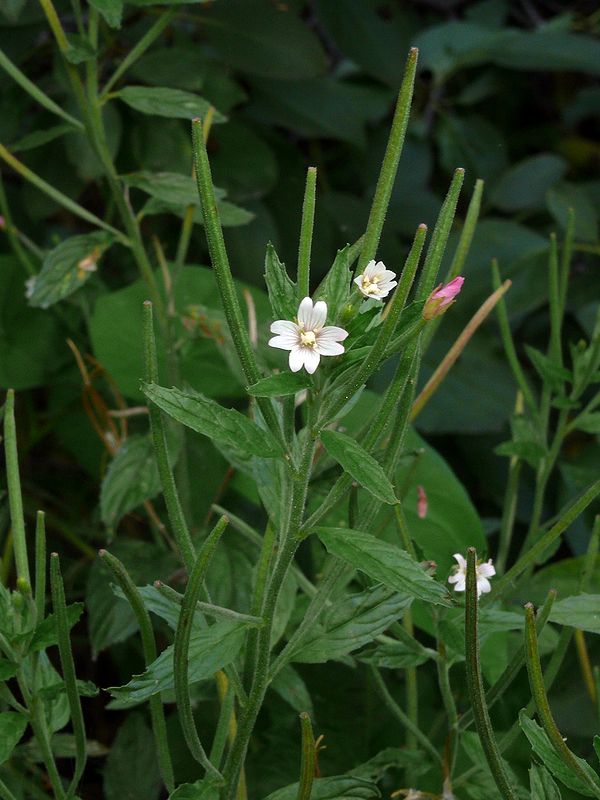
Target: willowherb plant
326 458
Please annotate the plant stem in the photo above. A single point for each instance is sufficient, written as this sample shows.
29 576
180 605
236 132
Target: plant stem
389 167
536 683
40 566
306 233
144 622
13 480
159 439
475 683
181 647
307 765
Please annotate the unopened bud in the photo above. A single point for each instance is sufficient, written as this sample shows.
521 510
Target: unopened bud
442 297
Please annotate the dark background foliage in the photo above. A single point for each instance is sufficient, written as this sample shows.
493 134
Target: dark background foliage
507 90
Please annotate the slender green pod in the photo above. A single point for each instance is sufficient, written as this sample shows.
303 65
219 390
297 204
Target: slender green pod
13 480
40 566
182 645
389 167
439 237
307 762
536 683
68 669
159 441
475 683
306 233
567 255
144 622
554 295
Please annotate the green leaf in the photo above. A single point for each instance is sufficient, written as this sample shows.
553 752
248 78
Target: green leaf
171 103
359 464
589 423
168 187
339 787
41 137
79 50
66 268
7 669
394 655
335 287
131 479
543 749
283 294
12 728
211 419
541 784
383 562
45 634
351 623
524 185
210 650
580 611
205 789
565 196
280 385
290 687
549 371
131 769
111 10
263 39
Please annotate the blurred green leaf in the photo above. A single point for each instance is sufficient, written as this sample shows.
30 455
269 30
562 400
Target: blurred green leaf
12 728
541 784
132 477
524 186
131 769
342 787
565 196
111 10
205 789
580 611
163 102
290 687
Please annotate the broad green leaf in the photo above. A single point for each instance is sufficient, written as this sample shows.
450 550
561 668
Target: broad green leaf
131 769
524 185
230 214
7 669
66 268
541 784
80 50
359 464
45 634
340 787
282 292
41 137
546 49
350 623
549 371
580 611
263 39
383 562
56 705
335 287
210 650
597 746
542 747
394 655
163 102
391 757
290 687
63 746
589 423
132 478
207 417
169 187
111 10
565 196
205 789
280 385
12 728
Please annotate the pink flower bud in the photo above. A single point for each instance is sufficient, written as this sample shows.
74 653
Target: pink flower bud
421 502
2 223
442 298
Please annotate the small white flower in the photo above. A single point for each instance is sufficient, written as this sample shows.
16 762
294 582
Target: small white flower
376 281
308 339
484 570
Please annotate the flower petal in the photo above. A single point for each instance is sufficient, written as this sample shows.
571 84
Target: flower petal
483 586
284 326
327 347
296 360
305 311
332 333
311 360
486 570
319 315
370 270
286 342
462 561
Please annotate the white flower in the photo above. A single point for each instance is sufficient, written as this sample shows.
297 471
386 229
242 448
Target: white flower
308 339
484 570
376 281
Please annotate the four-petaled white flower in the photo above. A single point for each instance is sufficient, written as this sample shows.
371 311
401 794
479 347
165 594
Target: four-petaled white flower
483 571
376 281
309 338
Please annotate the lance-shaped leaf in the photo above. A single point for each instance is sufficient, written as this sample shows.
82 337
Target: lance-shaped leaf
162 102
384 563
358 463
339 787
12 727
541 784
111 10
205 789
132 477
335 287
282 292
351 623
66 268
211 419
210 650
580 611
280 385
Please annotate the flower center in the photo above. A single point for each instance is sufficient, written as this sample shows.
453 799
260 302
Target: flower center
308 338
369 285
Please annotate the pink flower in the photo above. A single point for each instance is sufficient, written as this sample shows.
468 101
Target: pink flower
442 297
422 503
